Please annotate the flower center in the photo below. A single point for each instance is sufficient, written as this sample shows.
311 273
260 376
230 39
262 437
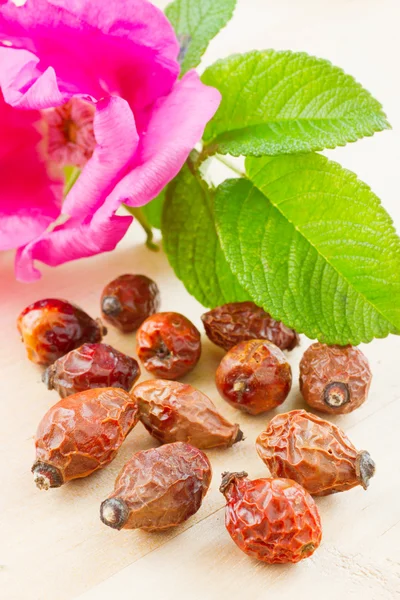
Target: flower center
70 136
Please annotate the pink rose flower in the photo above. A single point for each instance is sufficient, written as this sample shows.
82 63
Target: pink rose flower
94 85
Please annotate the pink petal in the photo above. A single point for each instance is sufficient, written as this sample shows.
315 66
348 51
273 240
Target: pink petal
30 197
117 139
86 48
176 124
70 241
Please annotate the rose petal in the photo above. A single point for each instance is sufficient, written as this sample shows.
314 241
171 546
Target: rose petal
177 123
30 197
86 48
70 241
117 139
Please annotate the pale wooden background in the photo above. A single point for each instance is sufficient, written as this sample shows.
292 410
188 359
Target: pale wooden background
53 545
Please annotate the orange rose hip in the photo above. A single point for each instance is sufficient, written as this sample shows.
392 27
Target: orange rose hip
177 412
158 488
254 376
334 379
273 520
168 344
82 433
313 452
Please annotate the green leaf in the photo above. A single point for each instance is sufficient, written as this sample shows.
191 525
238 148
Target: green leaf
196 23
191 242
287 102
153 210
313 246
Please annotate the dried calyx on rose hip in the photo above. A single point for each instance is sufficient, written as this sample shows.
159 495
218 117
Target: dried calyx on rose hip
168 344
177 412
334 379
254 376
50 328
82 433
91 366
158 488
237 322
313 452
128 300
273 520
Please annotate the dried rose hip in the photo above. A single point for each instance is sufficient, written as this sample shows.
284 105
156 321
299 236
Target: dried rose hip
237 322
82 433
334 379
158 488
168 344
177 412
274 520
313 452
128 300
91 366
50 328
254 376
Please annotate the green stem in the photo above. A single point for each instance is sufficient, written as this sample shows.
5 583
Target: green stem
140 217
228 164
72 175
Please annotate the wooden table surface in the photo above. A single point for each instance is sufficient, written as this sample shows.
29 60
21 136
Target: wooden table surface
53 545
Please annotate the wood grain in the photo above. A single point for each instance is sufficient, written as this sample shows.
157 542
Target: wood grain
53 545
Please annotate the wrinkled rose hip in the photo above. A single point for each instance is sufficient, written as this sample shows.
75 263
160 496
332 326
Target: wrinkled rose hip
254 376
237 322
313 452
177 412
128 300
158 488
80 434
168 344
273 520
91 366
50 328
334 379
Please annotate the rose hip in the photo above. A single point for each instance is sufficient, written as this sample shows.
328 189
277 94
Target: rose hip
128 300
50 328
82 433
158 488
313 452
254 376
168 344
177 412
237 322
273 520
334 379
91 366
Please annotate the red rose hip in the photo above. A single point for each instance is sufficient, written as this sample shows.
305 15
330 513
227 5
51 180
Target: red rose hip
128 300
273 520
50 328
158 488
254 376
177 412
168 344
91 366
334 379
237 322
